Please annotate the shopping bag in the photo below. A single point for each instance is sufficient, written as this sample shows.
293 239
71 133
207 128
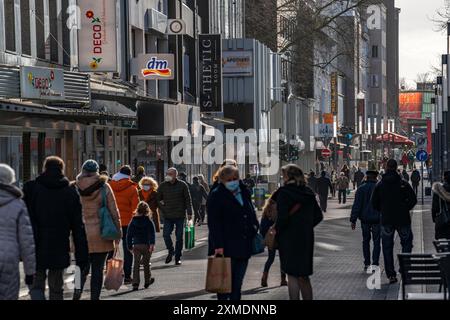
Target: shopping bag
189 235
114 273
218 275
270 239
348 192
258 244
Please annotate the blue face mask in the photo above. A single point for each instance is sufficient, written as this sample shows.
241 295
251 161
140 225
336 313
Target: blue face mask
232 185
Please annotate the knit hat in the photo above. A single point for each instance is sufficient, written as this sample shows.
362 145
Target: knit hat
90 166
7 174
126 170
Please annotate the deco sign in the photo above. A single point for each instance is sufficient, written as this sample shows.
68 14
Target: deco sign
42 83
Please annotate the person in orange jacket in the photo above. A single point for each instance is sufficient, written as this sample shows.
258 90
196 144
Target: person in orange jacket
127 198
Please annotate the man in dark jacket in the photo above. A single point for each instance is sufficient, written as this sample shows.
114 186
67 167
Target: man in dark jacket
359 177
394 198
370 219
55 211
405 175
174 200
198 193
415 180
324 185
312 181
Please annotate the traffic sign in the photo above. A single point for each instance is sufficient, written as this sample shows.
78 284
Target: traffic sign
326 153
422 155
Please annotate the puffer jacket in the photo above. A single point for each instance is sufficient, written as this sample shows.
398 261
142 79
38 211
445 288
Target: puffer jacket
16 242
174 199
127 197
90 189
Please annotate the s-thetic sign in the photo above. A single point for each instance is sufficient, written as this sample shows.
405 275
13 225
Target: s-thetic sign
97 39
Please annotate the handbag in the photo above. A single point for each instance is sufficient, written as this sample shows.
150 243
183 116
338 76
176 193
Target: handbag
443 217
108 229
270 239
258 244
114 273
189 236
218 275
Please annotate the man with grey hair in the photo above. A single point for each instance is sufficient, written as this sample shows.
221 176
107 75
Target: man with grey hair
17 240
174 201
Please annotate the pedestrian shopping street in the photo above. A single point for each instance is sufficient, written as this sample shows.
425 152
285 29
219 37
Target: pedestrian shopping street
338 266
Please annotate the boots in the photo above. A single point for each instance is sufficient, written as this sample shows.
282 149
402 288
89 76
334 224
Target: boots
283 280
264 279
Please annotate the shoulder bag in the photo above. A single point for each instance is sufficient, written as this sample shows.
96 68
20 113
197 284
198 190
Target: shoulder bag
108 229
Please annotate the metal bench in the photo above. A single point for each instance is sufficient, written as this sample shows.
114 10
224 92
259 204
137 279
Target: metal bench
420 269
444 264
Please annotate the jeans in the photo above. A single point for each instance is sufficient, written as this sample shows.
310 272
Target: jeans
342 195
238 270
141 254
387 237
55 284
127 256
197 214
323 202
97 265
416 188
371 231
169 225
203 212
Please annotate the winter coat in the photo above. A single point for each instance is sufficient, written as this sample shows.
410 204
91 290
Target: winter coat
127 198
405 176
174 199
150 198
140 231
359 177
441 193
295 231
394 198
91 189
198 193
16 242
342 183
312 183
323 186
55 211
231 225
362 207
415 178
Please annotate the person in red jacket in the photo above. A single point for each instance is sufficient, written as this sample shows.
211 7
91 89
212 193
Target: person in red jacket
127 198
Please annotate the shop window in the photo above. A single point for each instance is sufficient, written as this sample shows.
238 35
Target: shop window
100 137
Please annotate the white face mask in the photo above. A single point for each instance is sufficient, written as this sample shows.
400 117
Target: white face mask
168 178
146 188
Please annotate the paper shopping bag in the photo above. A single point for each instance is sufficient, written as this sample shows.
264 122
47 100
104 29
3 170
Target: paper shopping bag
218 275
114 274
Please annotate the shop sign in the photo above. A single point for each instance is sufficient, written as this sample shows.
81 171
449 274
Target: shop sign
42 83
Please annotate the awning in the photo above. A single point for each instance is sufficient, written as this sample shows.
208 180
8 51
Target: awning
395 138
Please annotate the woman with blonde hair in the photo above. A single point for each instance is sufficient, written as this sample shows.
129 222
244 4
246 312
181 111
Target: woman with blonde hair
226 162
147 193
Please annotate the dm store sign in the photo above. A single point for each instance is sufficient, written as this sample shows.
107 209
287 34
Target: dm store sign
97 40
42 83
153 67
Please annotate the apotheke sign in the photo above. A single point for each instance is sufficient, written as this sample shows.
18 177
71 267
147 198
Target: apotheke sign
42 83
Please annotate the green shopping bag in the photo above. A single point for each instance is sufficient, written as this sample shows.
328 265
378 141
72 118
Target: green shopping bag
348 192
189 235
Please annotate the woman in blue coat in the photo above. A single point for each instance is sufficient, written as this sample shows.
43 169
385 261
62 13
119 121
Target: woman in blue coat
232 226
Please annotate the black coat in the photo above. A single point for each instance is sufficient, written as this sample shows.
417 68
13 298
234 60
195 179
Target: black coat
362 208
295 232
140 231
55 211
231 226
359 177
312 183
441 232
323 184
394 198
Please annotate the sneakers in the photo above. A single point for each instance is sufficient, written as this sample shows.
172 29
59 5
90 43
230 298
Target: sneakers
178 262
169 258
152 280
393 280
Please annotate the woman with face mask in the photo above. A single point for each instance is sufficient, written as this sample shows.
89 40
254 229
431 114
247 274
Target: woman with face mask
232 226
147 193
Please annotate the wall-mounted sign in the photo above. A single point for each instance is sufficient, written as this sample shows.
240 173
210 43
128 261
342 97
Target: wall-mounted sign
210 72
97 39
328 118
154 66
325 130
334 93
237 63
42 83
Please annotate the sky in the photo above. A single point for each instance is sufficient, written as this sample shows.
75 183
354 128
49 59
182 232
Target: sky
420 45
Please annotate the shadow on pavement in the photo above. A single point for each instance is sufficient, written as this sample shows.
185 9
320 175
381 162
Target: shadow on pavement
179 296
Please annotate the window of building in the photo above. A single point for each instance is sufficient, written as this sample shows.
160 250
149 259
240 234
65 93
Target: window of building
10 26
53 13
65 32
25 29
374 51
40 38
374 81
